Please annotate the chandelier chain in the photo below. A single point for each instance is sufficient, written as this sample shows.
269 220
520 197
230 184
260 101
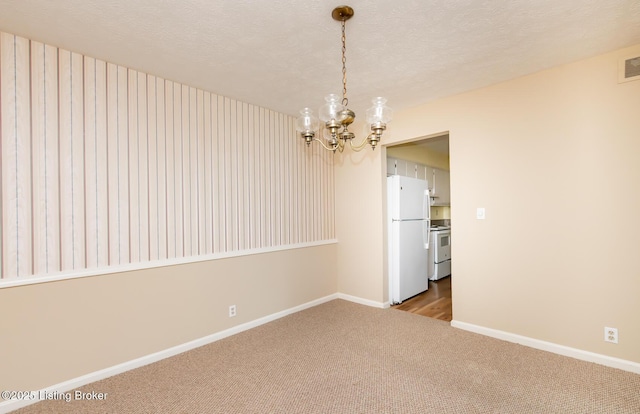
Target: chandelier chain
345 100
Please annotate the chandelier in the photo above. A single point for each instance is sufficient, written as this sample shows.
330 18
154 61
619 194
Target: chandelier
336 116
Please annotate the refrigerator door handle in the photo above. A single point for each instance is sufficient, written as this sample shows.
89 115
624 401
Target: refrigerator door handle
426 233
426 205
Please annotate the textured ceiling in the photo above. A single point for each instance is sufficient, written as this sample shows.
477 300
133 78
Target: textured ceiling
285 55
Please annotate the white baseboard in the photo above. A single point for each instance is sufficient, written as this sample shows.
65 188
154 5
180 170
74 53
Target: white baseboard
361 301
551 347
64 387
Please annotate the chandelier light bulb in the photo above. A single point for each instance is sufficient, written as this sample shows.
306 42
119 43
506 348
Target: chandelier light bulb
307 125
329 111
379 112
307 121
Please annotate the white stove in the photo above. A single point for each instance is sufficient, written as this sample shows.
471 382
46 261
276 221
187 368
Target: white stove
439 252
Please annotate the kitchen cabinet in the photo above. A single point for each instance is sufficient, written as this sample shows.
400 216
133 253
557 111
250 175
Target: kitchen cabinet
441 193
401 167
412 169
428 175
391 166
396 167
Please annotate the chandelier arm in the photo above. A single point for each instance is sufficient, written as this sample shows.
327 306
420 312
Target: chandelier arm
361 145
323 145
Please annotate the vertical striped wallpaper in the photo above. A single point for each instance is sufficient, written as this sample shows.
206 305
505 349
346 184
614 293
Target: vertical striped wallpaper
106 166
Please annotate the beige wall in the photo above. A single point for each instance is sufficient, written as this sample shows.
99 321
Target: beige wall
359 195
555 159
54 332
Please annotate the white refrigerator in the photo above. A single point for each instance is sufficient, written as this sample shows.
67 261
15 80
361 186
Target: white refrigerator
409 211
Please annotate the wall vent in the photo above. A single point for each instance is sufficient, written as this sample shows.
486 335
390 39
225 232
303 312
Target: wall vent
629 69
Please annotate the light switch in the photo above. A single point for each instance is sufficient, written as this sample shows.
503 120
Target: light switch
480 213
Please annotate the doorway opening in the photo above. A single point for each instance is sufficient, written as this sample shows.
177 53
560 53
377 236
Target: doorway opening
427 159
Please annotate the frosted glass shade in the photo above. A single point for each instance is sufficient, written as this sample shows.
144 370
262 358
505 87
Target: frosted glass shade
379 112
307 121
330 109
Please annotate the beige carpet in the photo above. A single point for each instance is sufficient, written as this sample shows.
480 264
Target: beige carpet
341 357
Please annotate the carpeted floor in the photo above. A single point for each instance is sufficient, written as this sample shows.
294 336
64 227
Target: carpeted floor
341 357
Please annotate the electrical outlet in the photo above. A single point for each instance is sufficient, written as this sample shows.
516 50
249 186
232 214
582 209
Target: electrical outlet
611 335
232 311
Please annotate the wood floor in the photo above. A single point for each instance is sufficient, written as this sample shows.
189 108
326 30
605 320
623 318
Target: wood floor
434 303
